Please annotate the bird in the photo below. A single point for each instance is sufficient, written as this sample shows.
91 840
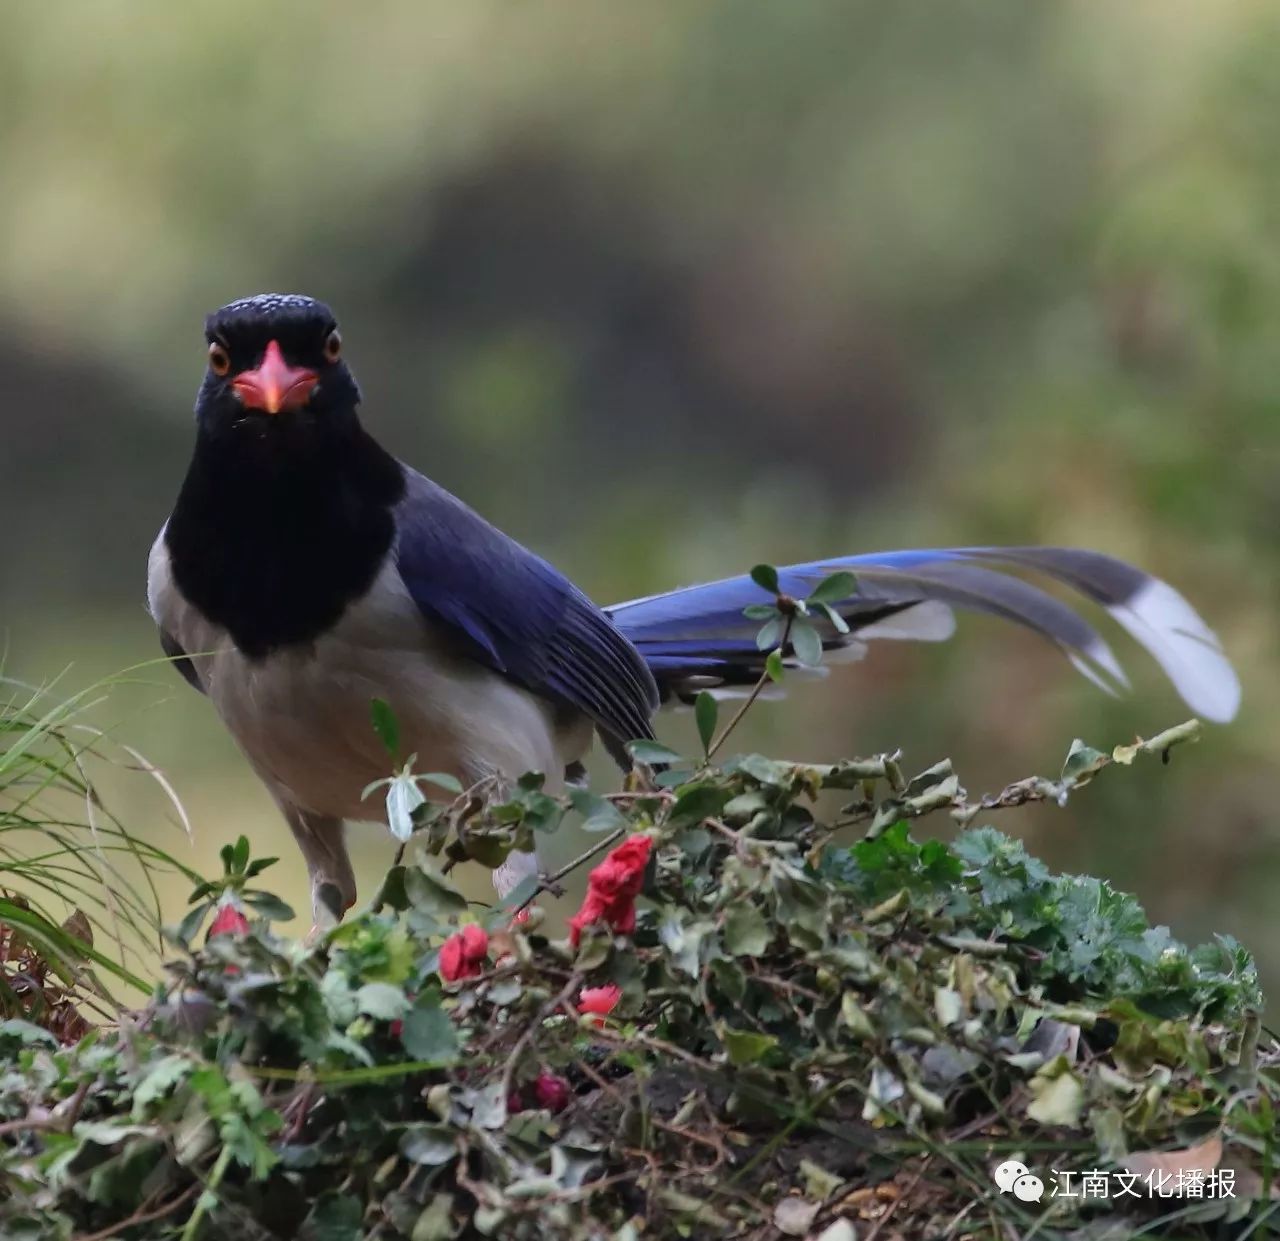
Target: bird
304 571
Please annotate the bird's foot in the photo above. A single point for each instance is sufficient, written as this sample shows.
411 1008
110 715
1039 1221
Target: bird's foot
328 904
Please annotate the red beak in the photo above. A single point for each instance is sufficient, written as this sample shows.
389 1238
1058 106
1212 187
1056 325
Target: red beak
275 386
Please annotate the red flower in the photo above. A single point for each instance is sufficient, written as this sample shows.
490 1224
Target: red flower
229 921
551 1091
612 889
599 1000
463 953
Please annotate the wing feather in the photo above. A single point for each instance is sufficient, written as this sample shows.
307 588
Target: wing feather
517 614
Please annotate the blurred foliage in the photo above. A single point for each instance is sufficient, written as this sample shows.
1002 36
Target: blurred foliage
759 280
79 906
794 1037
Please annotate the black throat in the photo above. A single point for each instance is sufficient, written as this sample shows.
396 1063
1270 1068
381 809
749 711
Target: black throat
275 533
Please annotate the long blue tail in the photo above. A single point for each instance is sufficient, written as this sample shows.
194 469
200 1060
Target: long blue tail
697 637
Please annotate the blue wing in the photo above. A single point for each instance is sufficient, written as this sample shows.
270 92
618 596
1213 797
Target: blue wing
516 614
698 636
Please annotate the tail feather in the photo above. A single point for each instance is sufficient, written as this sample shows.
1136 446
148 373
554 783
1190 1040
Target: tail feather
698 637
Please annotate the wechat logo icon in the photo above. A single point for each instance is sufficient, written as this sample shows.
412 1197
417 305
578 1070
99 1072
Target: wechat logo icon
1012 1177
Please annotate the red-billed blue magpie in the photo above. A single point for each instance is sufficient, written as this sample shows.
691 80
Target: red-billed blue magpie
305 571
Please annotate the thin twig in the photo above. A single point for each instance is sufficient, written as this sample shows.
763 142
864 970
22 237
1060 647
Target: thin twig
210 1195
548 882
296 1111
28 1123
533 1027
77 1104
396 861
878 1226
140 1217
749 701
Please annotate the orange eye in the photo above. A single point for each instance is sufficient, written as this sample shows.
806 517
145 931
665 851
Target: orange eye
333 346
219 359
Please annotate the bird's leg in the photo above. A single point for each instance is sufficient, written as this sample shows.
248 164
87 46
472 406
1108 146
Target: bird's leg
324 849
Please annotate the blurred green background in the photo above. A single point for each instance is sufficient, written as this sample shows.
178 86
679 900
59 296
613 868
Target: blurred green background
666 290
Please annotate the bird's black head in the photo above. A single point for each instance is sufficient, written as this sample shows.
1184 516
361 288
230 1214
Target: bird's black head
286 511
275 360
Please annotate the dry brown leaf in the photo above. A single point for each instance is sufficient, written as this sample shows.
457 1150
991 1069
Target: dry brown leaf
78 927
870 1199
1204 1157
1248 1184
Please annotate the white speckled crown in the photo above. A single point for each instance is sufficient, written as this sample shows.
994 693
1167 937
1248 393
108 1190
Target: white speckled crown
270 303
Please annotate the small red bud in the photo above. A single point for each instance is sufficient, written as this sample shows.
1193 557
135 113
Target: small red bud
229 921
551 1091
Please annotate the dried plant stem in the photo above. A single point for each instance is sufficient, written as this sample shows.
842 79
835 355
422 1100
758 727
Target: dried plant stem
548 882
749 701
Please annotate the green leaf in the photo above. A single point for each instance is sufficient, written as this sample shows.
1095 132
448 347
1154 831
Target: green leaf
430 891
504 992
436 1223
240 856
836 621
428 1033
693 1211
706 711
110 1133
653 753
770 634
490 849
392 892
769 771
598 813
775 667
160 1078
1083 762
683 940
25 1032
186 930
745 1046
834 589
766 577
1059 1096
746 934
760 611
335 1217
381 1001
443 780
702 799
892 846
386 726
430 1145
596 949
806 642
269 906
488 1105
